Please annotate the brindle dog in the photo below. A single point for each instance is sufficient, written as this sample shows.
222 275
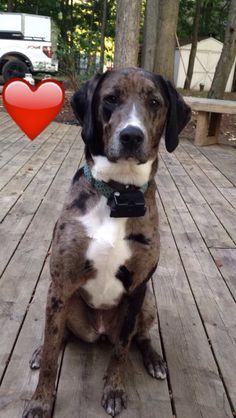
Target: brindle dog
100 265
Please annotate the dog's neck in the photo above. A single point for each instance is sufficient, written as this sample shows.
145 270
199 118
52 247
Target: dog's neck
125 201
112 186
121 173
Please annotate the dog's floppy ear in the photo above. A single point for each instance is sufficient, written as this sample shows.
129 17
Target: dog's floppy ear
81 104
179 114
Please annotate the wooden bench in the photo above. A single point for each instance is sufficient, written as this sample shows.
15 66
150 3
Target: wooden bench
209 117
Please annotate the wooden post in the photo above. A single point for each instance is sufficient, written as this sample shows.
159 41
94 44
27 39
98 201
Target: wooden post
214 125
208 128
201 128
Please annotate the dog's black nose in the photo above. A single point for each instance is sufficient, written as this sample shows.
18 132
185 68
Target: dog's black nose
131 136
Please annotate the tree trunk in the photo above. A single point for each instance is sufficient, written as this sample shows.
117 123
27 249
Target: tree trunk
103 33
150 34
165 48
227 56
193 51
90 48
127 33
234 82
10 5
71 24
64 7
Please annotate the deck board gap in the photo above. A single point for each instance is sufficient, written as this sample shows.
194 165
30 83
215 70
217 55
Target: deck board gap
36 211
23 318
210 206
168 378
207 247
34 176
205 173
199 313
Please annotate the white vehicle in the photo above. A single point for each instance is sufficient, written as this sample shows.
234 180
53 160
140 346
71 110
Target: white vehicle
26 45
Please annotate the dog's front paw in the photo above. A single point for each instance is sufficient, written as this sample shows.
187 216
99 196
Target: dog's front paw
114 399
37 409
155 365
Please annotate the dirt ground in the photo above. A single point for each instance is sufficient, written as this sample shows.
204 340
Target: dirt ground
227 129
227 126
228 123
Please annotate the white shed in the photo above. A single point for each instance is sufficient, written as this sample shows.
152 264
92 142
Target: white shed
207 57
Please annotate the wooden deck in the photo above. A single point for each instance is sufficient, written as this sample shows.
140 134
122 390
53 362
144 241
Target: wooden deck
195 284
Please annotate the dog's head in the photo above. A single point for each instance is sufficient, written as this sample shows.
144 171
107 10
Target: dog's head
124 113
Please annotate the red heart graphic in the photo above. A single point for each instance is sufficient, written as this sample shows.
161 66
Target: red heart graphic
33 108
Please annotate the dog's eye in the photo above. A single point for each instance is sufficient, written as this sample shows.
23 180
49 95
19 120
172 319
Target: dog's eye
112 99
154 103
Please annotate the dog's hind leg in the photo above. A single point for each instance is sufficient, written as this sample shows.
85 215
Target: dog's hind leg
153 362
77 322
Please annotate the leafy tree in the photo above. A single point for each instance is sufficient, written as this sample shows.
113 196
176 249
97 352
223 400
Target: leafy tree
193 50
227 56
103 34
79 24
214 15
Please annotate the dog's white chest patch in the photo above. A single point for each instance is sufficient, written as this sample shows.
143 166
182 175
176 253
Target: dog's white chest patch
107 250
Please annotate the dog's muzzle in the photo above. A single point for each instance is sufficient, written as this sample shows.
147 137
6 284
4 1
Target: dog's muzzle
131 138
131 143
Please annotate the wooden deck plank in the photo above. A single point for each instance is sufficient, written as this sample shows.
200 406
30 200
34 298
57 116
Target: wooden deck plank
197 157
20 277
16 186
230 194
80 387
13 158
197 389
9 152
224 158
209 225
12 135
203 182
195 289
211 229
7 125
4 117
81 384
19 381
225 259
214 301
223 210
189 240
10 144
15 224
226 188
21 274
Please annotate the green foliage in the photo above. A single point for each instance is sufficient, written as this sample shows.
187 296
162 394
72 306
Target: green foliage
70 64
213 20
79 23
